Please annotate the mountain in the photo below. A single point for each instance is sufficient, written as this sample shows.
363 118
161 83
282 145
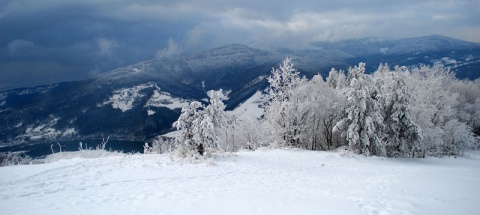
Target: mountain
141 101
462 57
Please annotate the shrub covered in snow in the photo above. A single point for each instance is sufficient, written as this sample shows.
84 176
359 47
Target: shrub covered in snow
14 158
160 145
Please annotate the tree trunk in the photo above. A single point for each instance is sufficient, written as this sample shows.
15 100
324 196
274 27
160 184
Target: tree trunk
200 149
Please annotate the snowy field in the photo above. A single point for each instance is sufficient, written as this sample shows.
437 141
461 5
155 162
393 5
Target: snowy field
260 182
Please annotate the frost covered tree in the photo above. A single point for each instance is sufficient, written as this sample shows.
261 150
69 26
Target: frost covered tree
362 123
468 106
336 79
318 108
186 123
216 109
251 133
399 113
301 113
434 109
199 126
401 135
211 119
283 82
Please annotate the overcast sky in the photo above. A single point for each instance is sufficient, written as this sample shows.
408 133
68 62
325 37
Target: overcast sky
46 41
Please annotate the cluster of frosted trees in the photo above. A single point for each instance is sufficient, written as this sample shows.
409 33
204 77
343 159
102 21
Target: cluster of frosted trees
394 113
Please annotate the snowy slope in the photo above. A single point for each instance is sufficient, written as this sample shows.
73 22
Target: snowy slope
252 108
261 182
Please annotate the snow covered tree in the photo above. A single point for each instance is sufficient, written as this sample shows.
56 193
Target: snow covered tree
468 106
401 135
301 113
398 113
283 81
186 144
336 79
362 123
251 133
216 108
210 121
200 126
433 109
318 108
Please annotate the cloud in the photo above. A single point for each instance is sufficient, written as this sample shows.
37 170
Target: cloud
95 36
17 46
171 50
105 47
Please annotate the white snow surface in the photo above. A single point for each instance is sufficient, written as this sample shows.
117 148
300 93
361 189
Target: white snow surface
260 182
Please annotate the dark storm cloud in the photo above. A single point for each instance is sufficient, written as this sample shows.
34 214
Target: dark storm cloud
56 40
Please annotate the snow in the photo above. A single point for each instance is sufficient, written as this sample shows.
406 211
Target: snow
40 90
251 108
254 81
164 99
3 95
468 61
260 182
123 98
469 58
173 134
447 60
150 112
47 130
69 132
43 130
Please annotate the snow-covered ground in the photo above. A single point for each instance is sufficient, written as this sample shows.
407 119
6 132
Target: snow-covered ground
260 182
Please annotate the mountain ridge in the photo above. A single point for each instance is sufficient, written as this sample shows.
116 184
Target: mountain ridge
142 100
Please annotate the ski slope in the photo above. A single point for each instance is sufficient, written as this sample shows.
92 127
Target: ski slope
260 182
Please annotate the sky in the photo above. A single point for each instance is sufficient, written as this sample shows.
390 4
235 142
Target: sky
49 41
